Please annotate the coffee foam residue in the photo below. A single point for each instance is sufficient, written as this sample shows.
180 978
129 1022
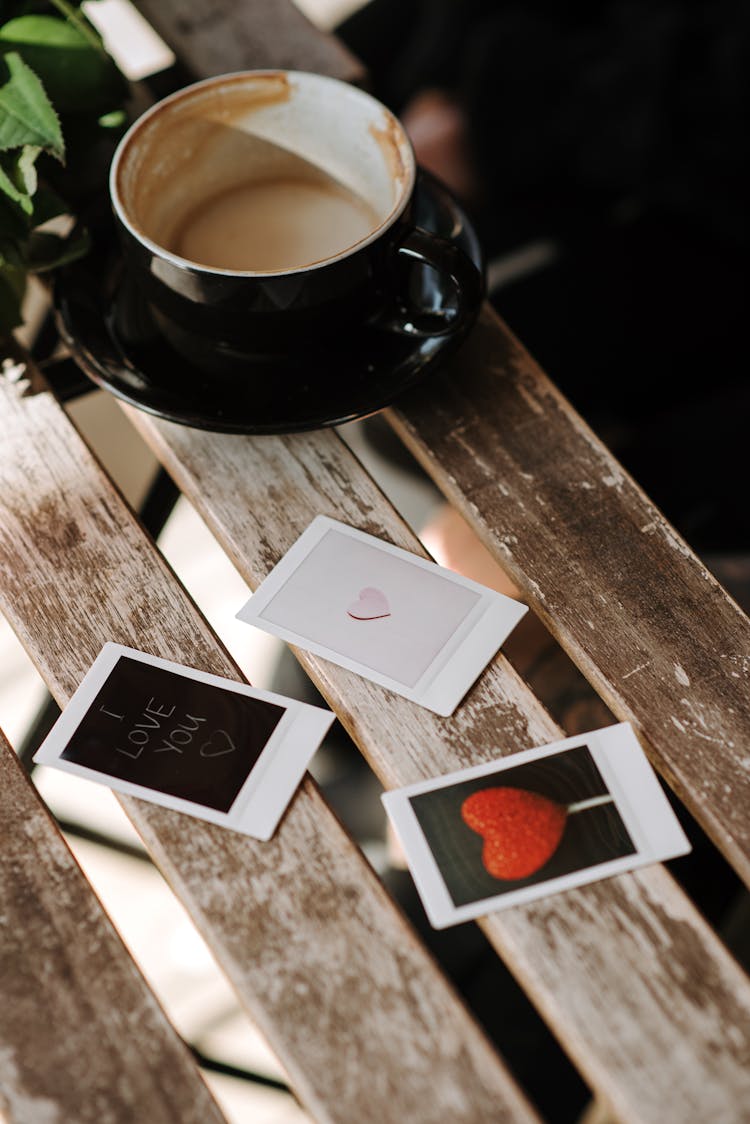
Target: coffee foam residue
180 130
227 103
388 138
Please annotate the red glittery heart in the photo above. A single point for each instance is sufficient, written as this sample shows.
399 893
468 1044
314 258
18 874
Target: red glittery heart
521 830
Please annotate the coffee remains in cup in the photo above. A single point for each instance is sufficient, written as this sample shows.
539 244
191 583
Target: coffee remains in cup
268 215
288 222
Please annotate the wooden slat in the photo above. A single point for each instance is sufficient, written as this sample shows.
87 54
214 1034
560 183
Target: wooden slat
359 1015
619 969
228 35
656 635
642 994
82 1037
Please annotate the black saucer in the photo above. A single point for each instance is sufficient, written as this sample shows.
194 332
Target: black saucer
109 330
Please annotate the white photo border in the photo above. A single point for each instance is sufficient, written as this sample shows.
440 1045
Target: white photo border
459 663
645 811
268 787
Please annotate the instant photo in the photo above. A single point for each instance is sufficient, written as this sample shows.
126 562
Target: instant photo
211 747
533 824
388 615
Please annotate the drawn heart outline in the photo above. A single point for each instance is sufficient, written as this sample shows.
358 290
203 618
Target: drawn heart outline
521 830
230 748
372 604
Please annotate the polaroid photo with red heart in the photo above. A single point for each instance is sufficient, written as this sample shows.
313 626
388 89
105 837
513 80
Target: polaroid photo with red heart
399 620
533 824
210 747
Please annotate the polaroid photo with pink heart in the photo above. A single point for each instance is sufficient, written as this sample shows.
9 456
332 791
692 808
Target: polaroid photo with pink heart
533 824
395 618
210 747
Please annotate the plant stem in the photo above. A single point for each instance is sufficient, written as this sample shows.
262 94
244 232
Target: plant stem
79 21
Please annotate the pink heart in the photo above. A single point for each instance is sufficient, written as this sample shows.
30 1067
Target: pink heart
372 604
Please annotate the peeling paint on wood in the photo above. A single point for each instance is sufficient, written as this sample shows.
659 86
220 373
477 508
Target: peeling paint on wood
82 1037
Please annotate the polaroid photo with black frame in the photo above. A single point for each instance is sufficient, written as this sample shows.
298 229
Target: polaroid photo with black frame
210 747
533 824
399 620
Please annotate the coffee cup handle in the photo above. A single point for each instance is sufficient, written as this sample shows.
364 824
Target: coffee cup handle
467 280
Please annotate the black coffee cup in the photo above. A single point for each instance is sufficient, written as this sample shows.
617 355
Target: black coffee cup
268 214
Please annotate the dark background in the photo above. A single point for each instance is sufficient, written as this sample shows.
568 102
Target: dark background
616 132
211 781
590 837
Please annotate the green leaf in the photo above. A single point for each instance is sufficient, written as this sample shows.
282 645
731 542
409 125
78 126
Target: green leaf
77 73
116 119
26 114
8 178
22 170
12 288
20 211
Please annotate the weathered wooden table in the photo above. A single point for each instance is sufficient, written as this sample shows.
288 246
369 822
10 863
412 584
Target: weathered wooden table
639 990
